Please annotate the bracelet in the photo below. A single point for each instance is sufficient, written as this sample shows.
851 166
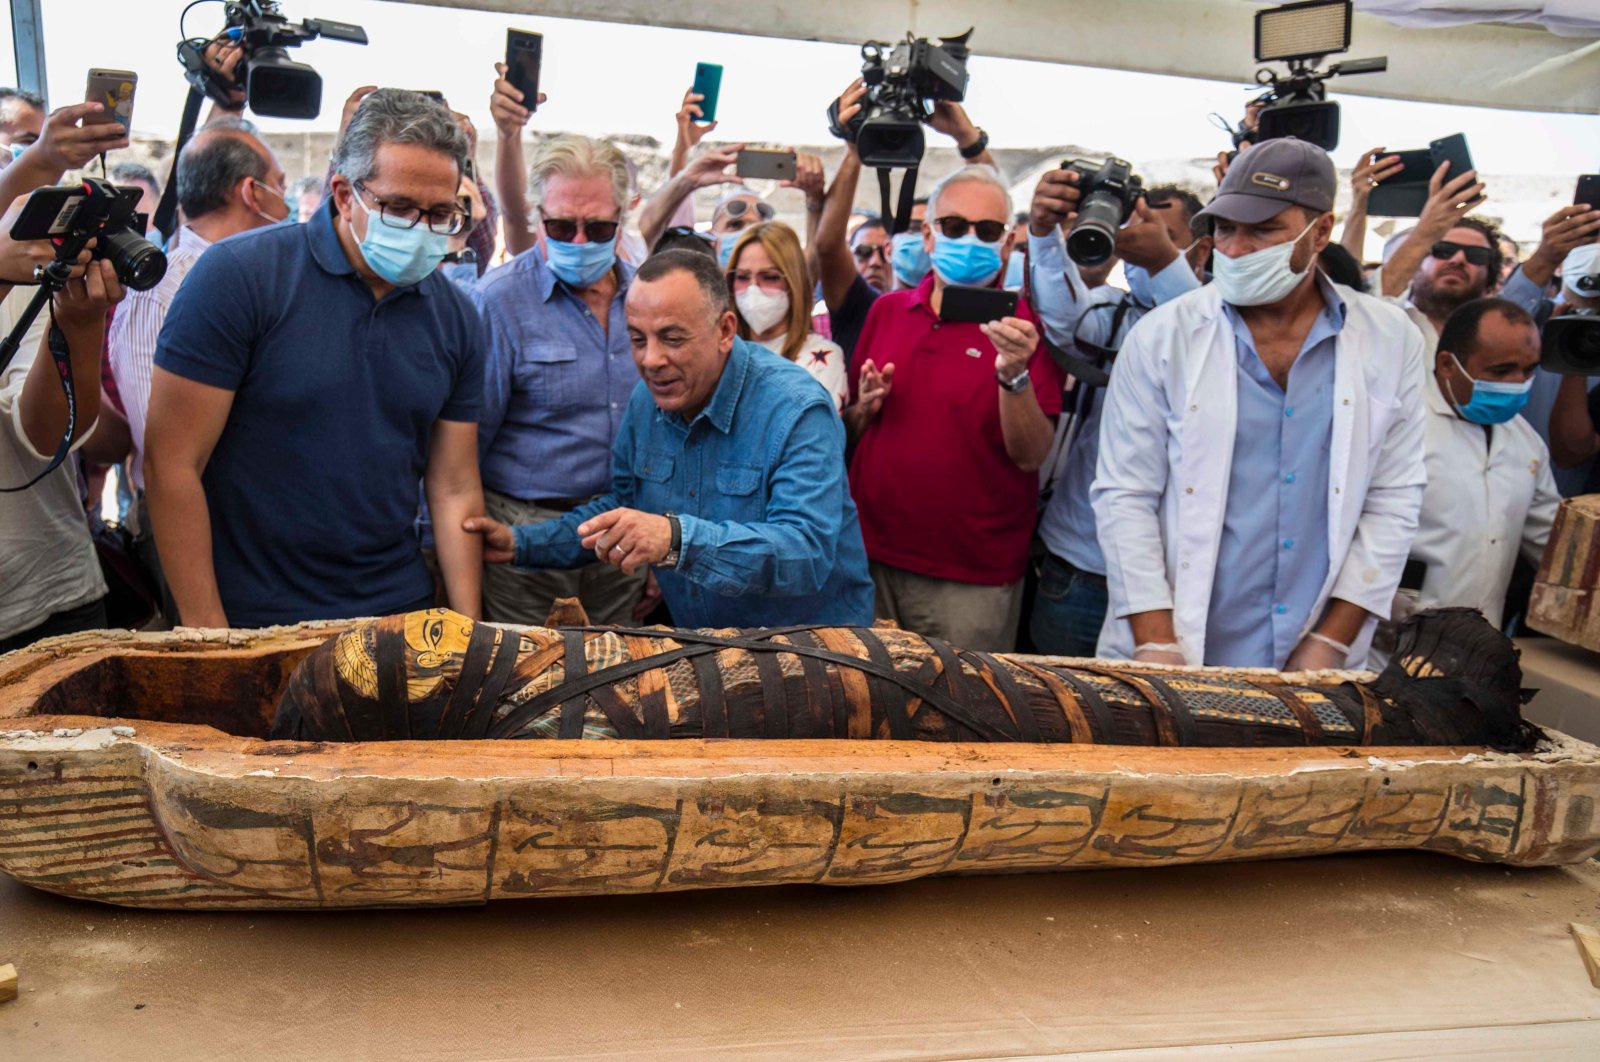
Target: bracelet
1016 385
977 147
1329 642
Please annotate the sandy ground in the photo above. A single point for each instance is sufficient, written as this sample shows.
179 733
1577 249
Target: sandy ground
1392 955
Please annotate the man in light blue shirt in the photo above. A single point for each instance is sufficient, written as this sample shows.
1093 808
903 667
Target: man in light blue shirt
1163 260
559 374
728 476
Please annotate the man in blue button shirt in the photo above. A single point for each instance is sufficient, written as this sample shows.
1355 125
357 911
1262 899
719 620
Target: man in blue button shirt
728 473
306 378
559 375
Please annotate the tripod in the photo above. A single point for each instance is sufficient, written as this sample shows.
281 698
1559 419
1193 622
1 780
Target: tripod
52 278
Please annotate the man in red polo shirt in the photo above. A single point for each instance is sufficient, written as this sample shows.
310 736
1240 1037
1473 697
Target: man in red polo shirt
954 421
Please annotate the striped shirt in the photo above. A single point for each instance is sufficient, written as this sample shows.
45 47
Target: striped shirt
132 340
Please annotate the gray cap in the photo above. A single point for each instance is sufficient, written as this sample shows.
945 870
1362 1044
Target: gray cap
1270 176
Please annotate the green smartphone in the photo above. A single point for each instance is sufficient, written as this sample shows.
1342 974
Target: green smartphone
707 82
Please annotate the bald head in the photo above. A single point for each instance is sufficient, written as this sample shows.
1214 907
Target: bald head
227 169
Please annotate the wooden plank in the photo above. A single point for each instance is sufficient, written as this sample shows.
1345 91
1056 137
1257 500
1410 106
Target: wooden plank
1563 604
1588 939
8 983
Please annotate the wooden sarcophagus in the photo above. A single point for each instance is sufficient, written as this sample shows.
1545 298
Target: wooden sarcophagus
426 760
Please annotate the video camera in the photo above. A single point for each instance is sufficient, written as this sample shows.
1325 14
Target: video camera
274 85
1297 103
1110 191
70 215
902 86
1570 343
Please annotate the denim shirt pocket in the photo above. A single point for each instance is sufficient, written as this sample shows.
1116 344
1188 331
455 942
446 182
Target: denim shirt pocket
544 372
739 494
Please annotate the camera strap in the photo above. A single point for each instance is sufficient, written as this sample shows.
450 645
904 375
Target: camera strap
63 359
898 221
166 219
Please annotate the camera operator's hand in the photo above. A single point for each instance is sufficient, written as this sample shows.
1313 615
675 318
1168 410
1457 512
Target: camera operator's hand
690 130
1220 169
710 167
1568 228
1014 341
849 107
1145 242
1055 201
809 178
1374 168
64 144
352 103
18 258
223 56
83 303
951 119
506 105
1449 200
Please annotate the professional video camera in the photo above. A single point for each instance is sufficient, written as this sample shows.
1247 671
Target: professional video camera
70 215
1110 191
1297 103
1571 342
902 86
273 84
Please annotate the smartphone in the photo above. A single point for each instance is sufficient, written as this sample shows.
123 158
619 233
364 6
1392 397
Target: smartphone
1405 193
963 302
524 51
1451 149
1588 191
707 83
48 213
114 89
776 165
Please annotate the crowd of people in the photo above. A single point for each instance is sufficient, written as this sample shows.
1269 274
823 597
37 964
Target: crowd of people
335 403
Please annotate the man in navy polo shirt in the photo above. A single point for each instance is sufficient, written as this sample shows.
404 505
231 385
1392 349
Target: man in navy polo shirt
306 378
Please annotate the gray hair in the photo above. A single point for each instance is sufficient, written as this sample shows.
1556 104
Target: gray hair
969 175
211 166
575 155
396 116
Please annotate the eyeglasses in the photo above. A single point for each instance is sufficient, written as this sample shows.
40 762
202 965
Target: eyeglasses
1478 256
766 279
738 208
565 230
442 222
865 251
954 227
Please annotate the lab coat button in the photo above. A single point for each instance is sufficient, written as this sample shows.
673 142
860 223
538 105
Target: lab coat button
1188 490
1280 609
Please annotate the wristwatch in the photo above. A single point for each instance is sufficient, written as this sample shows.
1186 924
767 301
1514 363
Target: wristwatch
977 147
1016 385
675 550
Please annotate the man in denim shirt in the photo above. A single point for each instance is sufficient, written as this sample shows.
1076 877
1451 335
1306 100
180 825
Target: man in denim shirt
728 473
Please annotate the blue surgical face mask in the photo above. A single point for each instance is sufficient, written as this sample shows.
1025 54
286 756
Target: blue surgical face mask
909 258
725 244
1138 279
461 274
580 264
967 260
16 150
400 256
1492 403
1016 267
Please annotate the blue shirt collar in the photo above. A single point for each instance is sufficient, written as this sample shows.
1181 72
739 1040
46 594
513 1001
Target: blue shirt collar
1329 322
725 399
325 246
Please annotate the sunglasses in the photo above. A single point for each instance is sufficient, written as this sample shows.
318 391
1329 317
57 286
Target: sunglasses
1478 256
565 230
865 251
954 227
738 208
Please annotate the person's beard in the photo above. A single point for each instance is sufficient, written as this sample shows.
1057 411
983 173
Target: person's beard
1434 301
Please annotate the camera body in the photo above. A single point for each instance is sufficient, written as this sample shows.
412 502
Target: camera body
274 84
70 215
902 85
1110 191
1570 344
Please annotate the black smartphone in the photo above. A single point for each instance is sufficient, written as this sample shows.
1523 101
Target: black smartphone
1451 149
48 212
1588 191
524 51
707 83
1405 193
775 165
963 302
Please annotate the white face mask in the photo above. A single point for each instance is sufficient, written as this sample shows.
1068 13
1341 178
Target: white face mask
761 309
1260 277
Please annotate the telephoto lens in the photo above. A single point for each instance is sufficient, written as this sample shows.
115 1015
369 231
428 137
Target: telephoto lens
140 264
1109 192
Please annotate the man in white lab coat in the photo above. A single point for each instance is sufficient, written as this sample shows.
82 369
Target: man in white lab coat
1261 466
1490 489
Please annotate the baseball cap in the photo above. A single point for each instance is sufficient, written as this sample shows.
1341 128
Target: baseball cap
1274 174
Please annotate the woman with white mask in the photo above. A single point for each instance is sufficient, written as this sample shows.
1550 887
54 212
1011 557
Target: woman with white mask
772 298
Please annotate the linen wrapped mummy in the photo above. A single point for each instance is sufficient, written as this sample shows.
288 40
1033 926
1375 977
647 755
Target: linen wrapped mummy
1453 680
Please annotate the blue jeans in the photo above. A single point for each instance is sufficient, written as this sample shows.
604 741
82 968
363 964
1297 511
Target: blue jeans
1069 608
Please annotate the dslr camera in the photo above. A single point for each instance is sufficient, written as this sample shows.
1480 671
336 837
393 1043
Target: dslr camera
70 215
1571 343
1110 191
274 85
902 85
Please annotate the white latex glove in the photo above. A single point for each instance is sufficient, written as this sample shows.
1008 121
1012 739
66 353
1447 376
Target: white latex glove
1159 653
1315 655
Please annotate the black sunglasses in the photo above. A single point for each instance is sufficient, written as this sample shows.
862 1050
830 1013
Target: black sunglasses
954 227
864 251
565 230
1478 256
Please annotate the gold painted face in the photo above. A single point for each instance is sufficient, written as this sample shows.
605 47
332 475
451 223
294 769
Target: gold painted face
436 639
